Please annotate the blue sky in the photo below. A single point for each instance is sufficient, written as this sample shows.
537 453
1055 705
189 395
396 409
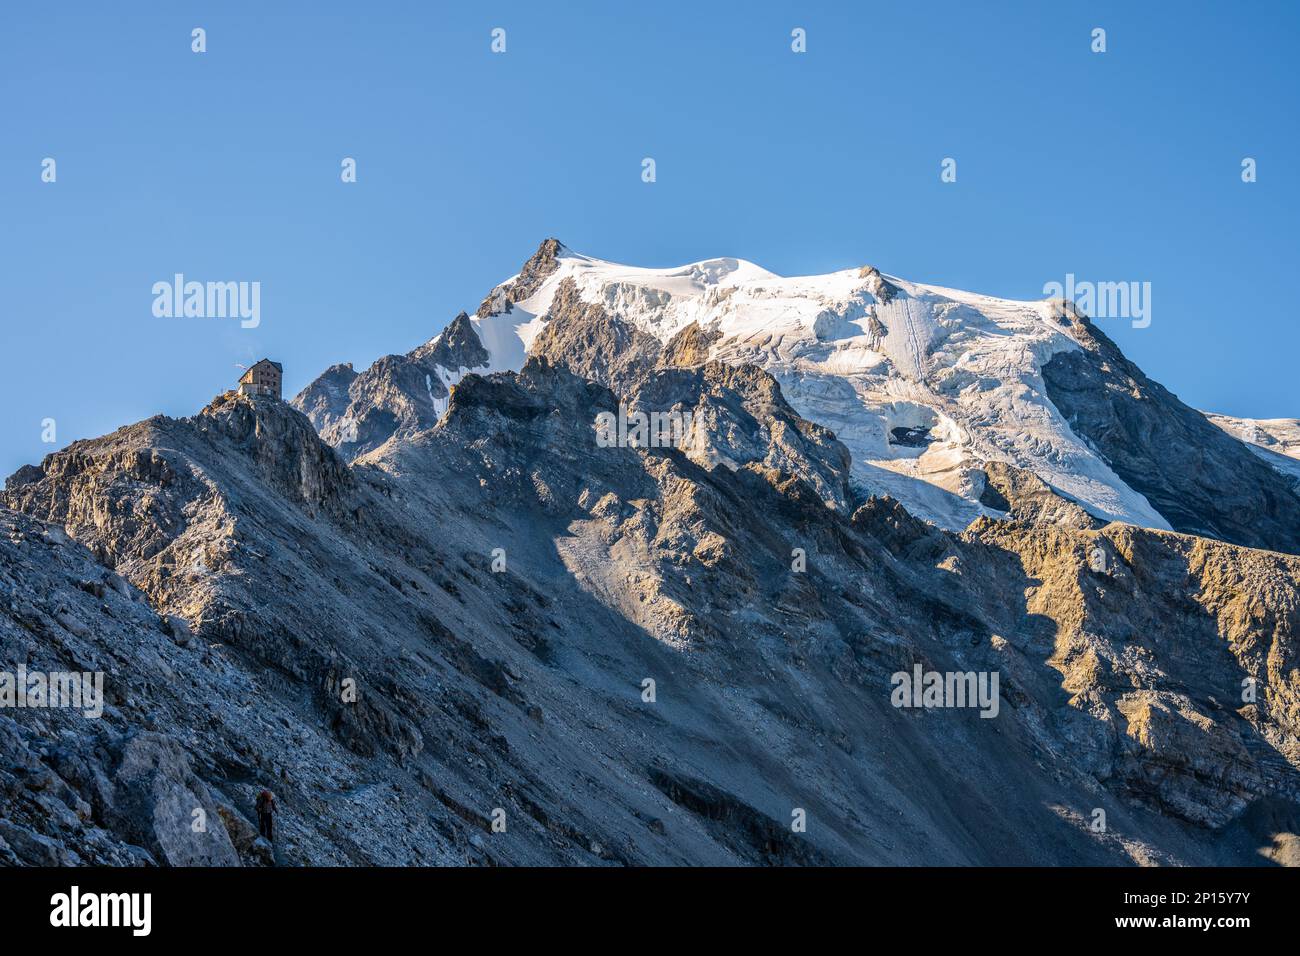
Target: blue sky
225 166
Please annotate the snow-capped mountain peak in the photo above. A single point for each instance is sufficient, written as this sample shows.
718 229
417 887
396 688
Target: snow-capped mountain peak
935 392
922 383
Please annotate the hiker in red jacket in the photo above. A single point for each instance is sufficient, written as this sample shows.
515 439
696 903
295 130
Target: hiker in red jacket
265 813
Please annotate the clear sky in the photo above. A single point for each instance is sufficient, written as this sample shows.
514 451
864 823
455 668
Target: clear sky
225 165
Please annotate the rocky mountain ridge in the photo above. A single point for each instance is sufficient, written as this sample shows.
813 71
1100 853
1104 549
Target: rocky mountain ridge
476 634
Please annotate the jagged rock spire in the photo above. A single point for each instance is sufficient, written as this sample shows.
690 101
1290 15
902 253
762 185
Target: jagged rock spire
541 264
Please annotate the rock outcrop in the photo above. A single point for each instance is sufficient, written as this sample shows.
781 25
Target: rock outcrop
396 395
542 264
591 343
1024 497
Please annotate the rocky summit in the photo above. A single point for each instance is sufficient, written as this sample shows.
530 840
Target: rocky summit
687 566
